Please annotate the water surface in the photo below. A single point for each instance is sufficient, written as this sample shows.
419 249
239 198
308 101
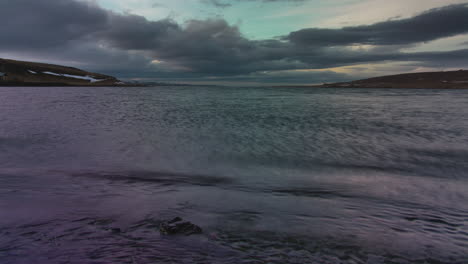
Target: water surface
272 175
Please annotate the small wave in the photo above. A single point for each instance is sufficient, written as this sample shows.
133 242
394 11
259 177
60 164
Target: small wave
159 177
105 240
312 192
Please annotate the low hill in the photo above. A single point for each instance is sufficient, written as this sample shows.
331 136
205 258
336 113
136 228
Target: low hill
433 80
23 73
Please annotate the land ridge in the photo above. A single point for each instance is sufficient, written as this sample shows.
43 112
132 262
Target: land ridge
25 73
430 80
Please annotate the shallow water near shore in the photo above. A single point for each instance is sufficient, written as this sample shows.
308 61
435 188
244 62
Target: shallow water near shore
272 175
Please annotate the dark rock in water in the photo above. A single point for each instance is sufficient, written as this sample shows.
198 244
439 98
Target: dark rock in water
116 230
178 226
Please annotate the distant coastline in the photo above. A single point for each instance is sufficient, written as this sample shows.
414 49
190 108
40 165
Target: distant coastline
23 73
423 80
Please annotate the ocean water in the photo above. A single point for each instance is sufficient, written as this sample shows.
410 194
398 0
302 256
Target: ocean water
272 175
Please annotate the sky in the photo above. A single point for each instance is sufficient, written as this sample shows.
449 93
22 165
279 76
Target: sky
239 42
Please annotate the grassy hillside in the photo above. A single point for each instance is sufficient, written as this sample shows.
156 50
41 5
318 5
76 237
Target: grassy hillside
25 73
442 80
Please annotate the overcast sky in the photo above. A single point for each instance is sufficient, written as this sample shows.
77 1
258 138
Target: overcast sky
239 41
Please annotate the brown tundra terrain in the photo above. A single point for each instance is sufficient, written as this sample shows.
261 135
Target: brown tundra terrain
434 80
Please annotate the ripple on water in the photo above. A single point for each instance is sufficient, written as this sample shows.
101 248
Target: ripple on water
272 175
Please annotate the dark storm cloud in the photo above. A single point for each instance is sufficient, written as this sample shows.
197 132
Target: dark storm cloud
83 34
45 23
132 32
434 24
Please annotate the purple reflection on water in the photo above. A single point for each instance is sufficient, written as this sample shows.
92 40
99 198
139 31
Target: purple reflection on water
271 175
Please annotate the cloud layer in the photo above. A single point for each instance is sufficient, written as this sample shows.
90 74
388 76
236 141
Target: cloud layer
431 25
82 33
225 3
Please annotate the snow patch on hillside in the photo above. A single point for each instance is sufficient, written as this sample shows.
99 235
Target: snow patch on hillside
52 73
32 72
88 78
